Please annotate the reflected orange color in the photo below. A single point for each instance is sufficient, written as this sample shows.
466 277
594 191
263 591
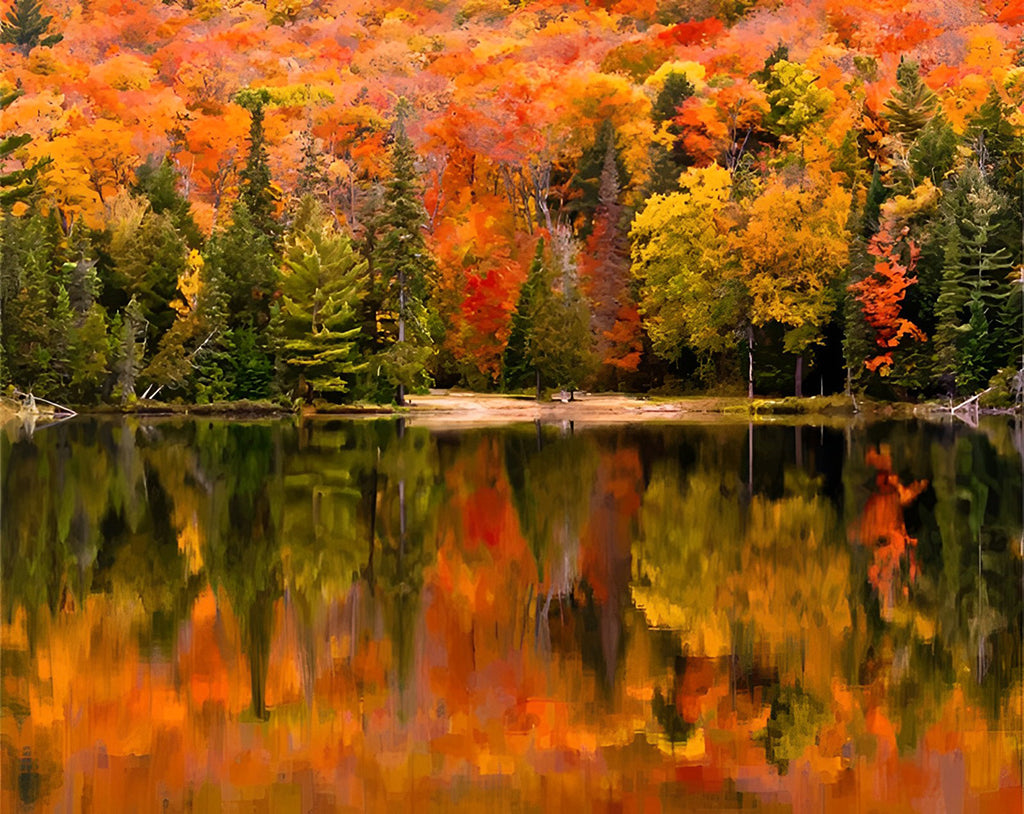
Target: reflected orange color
882 528
506 702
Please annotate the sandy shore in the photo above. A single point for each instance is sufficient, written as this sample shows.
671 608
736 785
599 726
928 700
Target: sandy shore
464 408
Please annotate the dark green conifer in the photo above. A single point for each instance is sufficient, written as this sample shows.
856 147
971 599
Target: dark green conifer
25 26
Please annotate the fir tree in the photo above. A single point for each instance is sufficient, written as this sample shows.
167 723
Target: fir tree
159 184
25 27
130 333
614 320
559 346
312 177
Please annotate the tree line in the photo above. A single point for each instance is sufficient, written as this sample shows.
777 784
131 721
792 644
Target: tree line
770 230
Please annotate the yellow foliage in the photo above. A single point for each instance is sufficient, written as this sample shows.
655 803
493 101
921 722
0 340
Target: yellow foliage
693 71
189 284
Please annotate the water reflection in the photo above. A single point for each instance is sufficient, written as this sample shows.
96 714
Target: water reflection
203 615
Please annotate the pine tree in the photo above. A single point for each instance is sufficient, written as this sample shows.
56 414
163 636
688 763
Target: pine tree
317 323
17 184
912 103
969 344
403 266
25 27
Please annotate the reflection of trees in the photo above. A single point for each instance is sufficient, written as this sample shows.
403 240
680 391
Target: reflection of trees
959 621
408 489
552 477
882 529
241 468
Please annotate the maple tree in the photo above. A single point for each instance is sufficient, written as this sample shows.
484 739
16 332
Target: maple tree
508 112
881 294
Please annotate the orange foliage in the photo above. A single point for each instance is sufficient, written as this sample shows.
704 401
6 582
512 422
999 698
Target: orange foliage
882 529
881 294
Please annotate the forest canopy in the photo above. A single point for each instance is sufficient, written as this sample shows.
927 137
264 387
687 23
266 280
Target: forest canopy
204 200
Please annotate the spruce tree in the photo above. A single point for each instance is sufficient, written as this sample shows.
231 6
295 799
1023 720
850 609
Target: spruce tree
403 265
559 345
25 26
257 193
517 369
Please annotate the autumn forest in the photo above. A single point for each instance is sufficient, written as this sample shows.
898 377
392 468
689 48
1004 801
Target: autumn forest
210 200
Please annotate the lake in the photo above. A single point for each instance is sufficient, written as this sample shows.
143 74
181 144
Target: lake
328 615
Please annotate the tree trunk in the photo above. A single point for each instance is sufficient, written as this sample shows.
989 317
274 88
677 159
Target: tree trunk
799 375
750 361
537 370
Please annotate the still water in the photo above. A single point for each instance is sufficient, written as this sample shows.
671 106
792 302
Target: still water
363 615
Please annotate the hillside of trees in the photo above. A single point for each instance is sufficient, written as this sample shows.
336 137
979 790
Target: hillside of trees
205 200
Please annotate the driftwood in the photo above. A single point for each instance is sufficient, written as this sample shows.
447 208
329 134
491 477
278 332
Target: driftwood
969 408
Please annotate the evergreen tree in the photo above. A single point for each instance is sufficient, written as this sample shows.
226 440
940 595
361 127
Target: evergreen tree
312 177
912 103
668 162
317 324
25 26
15 185
130 333
969 342
159 184
257 193
403 266
517 368
614 320
36 308
559 345
148 256
241 267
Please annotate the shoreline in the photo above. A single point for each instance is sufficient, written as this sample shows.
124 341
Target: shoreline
465 408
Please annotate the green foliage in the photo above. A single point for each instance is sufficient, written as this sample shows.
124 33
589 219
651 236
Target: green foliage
559 318
517 370
25 27
970 343
241 271
401 268
36 306
934 152
257 194
795 100
148 256
322 283
912 103
129 333
159 184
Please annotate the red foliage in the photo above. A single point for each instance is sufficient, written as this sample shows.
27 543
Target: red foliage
692 32
881 294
